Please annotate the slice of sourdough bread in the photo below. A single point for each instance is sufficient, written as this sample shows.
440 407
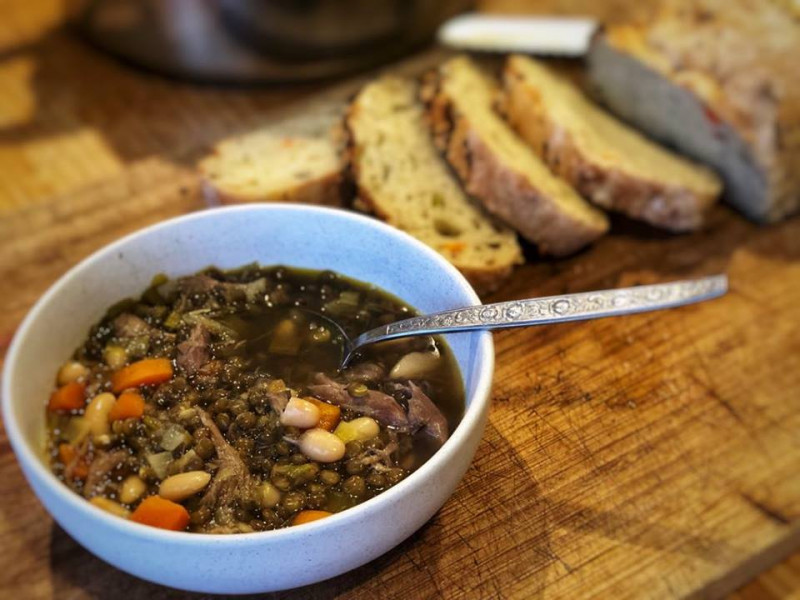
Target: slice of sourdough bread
401 178
607 162
295 159
499 168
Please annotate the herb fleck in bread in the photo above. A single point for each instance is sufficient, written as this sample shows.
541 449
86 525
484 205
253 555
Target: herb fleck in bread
607 162
400 177
500 169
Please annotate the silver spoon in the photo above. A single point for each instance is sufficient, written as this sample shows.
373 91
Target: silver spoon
540 311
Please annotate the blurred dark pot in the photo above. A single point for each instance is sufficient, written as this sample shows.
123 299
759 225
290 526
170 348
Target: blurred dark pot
262 40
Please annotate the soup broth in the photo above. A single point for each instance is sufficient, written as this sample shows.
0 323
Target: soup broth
214 402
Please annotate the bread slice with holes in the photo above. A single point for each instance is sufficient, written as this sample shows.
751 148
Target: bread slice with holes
401 178
293 160
499 168
609 163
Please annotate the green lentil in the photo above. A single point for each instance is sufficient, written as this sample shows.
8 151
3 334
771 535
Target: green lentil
293 501
200 517
354 485
354 466
223 421
205 448
329 477
376 480
352 449
246 420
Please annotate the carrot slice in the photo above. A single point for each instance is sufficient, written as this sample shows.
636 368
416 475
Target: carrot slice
70 396
129 405
455 247
81 470
164 514
306 516
66 454
329 414
149 371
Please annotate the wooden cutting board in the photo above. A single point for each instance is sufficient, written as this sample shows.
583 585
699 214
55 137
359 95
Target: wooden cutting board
654 455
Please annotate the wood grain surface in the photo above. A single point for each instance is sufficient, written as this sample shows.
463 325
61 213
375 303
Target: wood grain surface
652 456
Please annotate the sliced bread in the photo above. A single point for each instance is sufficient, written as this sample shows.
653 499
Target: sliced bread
266 167
609 163
401 178
717 80
499 168
295 159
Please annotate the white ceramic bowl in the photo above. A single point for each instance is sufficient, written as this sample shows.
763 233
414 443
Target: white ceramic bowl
302 236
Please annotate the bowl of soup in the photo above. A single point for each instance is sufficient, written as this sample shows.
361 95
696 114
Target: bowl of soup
175 400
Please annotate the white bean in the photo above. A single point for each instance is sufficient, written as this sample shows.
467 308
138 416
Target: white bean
110 506
131 489
96 414
300 413
360 429
183 485
71 371
415 365
321 445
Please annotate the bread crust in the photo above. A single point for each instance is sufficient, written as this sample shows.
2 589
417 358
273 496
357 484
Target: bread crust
483 280
504 192
324 191
670 206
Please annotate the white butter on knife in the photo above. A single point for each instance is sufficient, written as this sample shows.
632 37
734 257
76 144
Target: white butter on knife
552 36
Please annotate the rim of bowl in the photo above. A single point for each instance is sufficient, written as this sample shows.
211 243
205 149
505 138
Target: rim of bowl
25 453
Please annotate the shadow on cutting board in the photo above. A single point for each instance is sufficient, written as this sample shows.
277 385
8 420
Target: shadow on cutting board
75 569
498 501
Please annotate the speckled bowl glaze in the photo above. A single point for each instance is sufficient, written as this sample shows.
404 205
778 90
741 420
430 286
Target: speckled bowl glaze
301 236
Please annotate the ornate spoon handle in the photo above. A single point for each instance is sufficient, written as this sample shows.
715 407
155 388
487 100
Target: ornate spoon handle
552 309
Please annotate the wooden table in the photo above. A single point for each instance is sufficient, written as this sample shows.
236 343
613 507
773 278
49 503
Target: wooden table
649 456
